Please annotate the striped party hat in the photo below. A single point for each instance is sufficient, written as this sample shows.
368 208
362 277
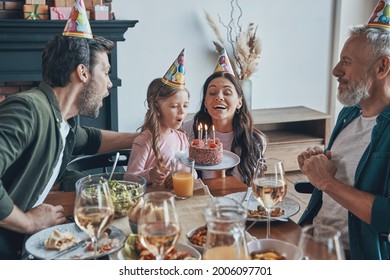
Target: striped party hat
175 76
78 23
380 17
223 64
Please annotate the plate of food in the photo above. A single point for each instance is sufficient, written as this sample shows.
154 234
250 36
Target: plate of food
273 249
47 243
283 210
134 250
196 238
229 160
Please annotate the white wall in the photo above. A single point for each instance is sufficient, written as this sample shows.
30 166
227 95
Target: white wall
295 65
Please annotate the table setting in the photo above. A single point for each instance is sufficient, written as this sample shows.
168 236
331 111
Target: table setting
191 216
288 207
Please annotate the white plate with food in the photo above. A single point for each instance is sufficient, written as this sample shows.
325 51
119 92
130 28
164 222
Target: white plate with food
229 160
196 238
133 250
273 249
283 210
112 241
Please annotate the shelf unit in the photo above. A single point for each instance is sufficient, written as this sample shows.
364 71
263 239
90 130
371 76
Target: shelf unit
292 130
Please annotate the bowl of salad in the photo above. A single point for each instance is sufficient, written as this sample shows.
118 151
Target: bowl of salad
125 190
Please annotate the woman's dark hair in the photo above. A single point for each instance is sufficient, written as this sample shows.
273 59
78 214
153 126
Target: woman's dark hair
248 140
63 54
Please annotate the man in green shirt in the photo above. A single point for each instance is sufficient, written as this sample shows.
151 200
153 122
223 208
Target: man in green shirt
38 135
352 177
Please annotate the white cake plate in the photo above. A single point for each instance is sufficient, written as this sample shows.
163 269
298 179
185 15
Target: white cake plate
229 160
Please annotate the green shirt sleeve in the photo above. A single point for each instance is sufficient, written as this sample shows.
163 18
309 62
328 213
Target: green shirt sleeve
16 125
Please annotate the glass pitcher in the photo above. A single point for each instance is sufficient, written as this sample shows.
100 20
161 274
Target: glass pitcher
225 238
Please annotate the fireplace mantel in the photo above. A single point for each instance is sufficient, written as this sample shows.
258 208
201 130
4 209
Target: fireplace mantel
21 46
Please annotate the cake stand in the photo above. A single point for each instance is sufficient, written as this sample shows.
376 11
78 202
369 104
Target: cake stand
229 160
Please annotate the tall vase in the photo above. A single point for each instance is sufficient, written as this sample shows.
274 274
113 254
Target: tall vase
247 88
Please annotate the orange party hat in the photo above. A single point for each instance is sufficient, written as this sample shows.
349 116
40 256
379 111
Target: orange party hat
78 23
175 75
223 64
380 17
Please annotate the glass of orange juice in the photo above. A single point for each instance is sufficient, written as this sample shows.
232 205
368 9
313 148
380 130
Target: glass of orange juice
183 177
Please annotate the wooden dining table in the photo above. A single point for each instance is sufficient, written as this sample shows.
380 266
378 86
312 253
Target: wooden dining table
283 230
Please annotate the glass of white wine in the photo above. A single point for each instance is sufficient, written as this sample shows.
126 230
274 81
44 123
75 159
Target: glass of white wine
269 185
93 209
158 224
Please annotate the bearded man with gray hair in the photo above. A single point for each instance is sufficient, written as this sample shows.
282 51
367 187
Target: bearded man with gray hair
352 176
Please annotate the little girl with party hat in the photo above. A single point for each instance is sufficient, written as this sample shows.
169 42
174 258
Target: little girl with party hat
159 140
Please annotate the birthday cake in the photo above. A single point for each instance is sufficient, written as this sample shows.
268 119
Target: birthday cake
208 152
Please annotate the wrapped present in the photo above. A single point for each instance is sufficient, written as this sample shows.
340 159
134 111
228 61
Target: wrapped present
100 12
89 4
60 13
42 2
109 5
64 3
36 12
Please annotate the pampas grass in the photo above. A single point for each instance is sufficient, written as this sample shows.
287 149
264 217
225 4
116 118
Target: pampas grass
213 26
245 44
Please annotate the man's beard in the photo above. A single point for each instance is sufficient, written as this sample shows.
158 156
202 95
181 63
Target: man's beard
88 105
355 93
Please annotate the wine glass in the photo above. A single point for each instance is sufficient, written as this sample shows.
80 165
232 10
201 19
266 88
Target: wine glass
158 224
321 242
269 185
93 209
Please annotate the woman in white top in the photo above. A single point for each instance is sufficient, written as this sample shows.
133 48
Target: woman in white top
224 106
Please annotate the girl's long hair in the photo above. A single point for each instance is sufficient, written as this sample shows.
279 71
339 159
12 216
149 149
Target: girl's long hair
157 90
247 141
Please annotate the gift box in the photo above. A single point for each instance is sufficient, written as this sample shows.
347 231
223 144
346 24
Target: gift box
60 13
100 12
36 12
64 3
89 4
109 5
42 2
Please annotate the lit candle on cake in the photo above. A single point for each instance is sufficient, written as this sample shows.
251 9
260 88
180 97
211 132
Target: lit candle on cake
201 132
205 132
213 133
